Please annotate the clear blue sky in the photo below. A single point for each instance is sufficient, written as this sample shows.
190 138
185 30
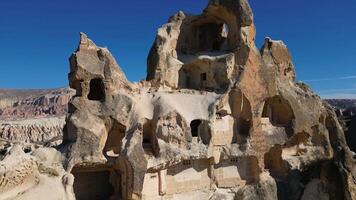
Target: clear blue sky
38 36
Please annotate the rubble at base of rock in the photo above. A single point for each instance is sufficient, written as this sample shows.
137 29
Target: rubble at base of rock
216 118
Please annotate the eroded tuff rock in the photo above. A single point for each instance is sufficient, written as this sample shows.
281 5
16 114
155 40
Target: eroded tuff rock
41 131
216 119
36 174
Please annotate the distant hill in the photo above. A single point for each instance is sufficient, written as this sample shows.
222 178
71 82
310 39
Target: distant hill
342 103
33 116
20 104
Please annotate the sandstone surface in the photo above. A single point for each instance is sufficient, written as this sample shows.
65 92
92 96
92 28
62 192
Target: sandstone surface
216 118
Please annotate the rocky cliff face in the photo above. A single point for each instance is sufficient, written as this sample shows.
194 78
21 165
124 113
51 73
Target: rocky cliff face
216 118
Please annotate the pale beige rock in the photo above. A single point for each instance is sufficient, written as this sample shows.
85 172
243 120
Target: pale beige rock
41 131
215 119
215 112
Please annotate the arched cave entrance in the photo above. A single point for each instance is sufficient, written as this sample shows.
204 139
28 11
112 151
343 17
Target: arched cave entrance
96 90
149 140
193 76
242 114
114 141
280 113
203 75
244 126
214 32
211 36
200 129
194 127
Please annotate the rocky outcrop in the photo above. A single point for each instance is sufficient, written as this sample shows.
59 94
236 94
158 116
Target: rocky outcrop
36 174
42 131
215 112
18 173
216 119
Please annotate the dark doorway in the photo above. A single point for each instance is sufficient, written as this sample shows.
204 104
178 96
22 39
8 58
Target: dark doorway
244 127
203 79
279 111
114 141
211 36
149 140
92 185
97 90
148 134
194 127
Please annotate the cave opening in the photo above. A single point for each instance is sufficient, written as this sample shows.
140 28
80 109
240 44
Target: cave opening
211 36
147 135
96 90
194 127
114 141
93 184
149 140
204 132
244 127
280 113
193 76
242 114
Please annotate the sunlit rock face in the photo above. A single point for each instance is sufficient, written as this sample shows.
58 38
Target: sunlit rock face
215 114
216 118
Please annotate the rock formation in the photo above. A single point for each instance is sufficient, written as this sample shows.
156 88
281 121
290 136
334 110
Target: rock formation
41 131
216 118
37 174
